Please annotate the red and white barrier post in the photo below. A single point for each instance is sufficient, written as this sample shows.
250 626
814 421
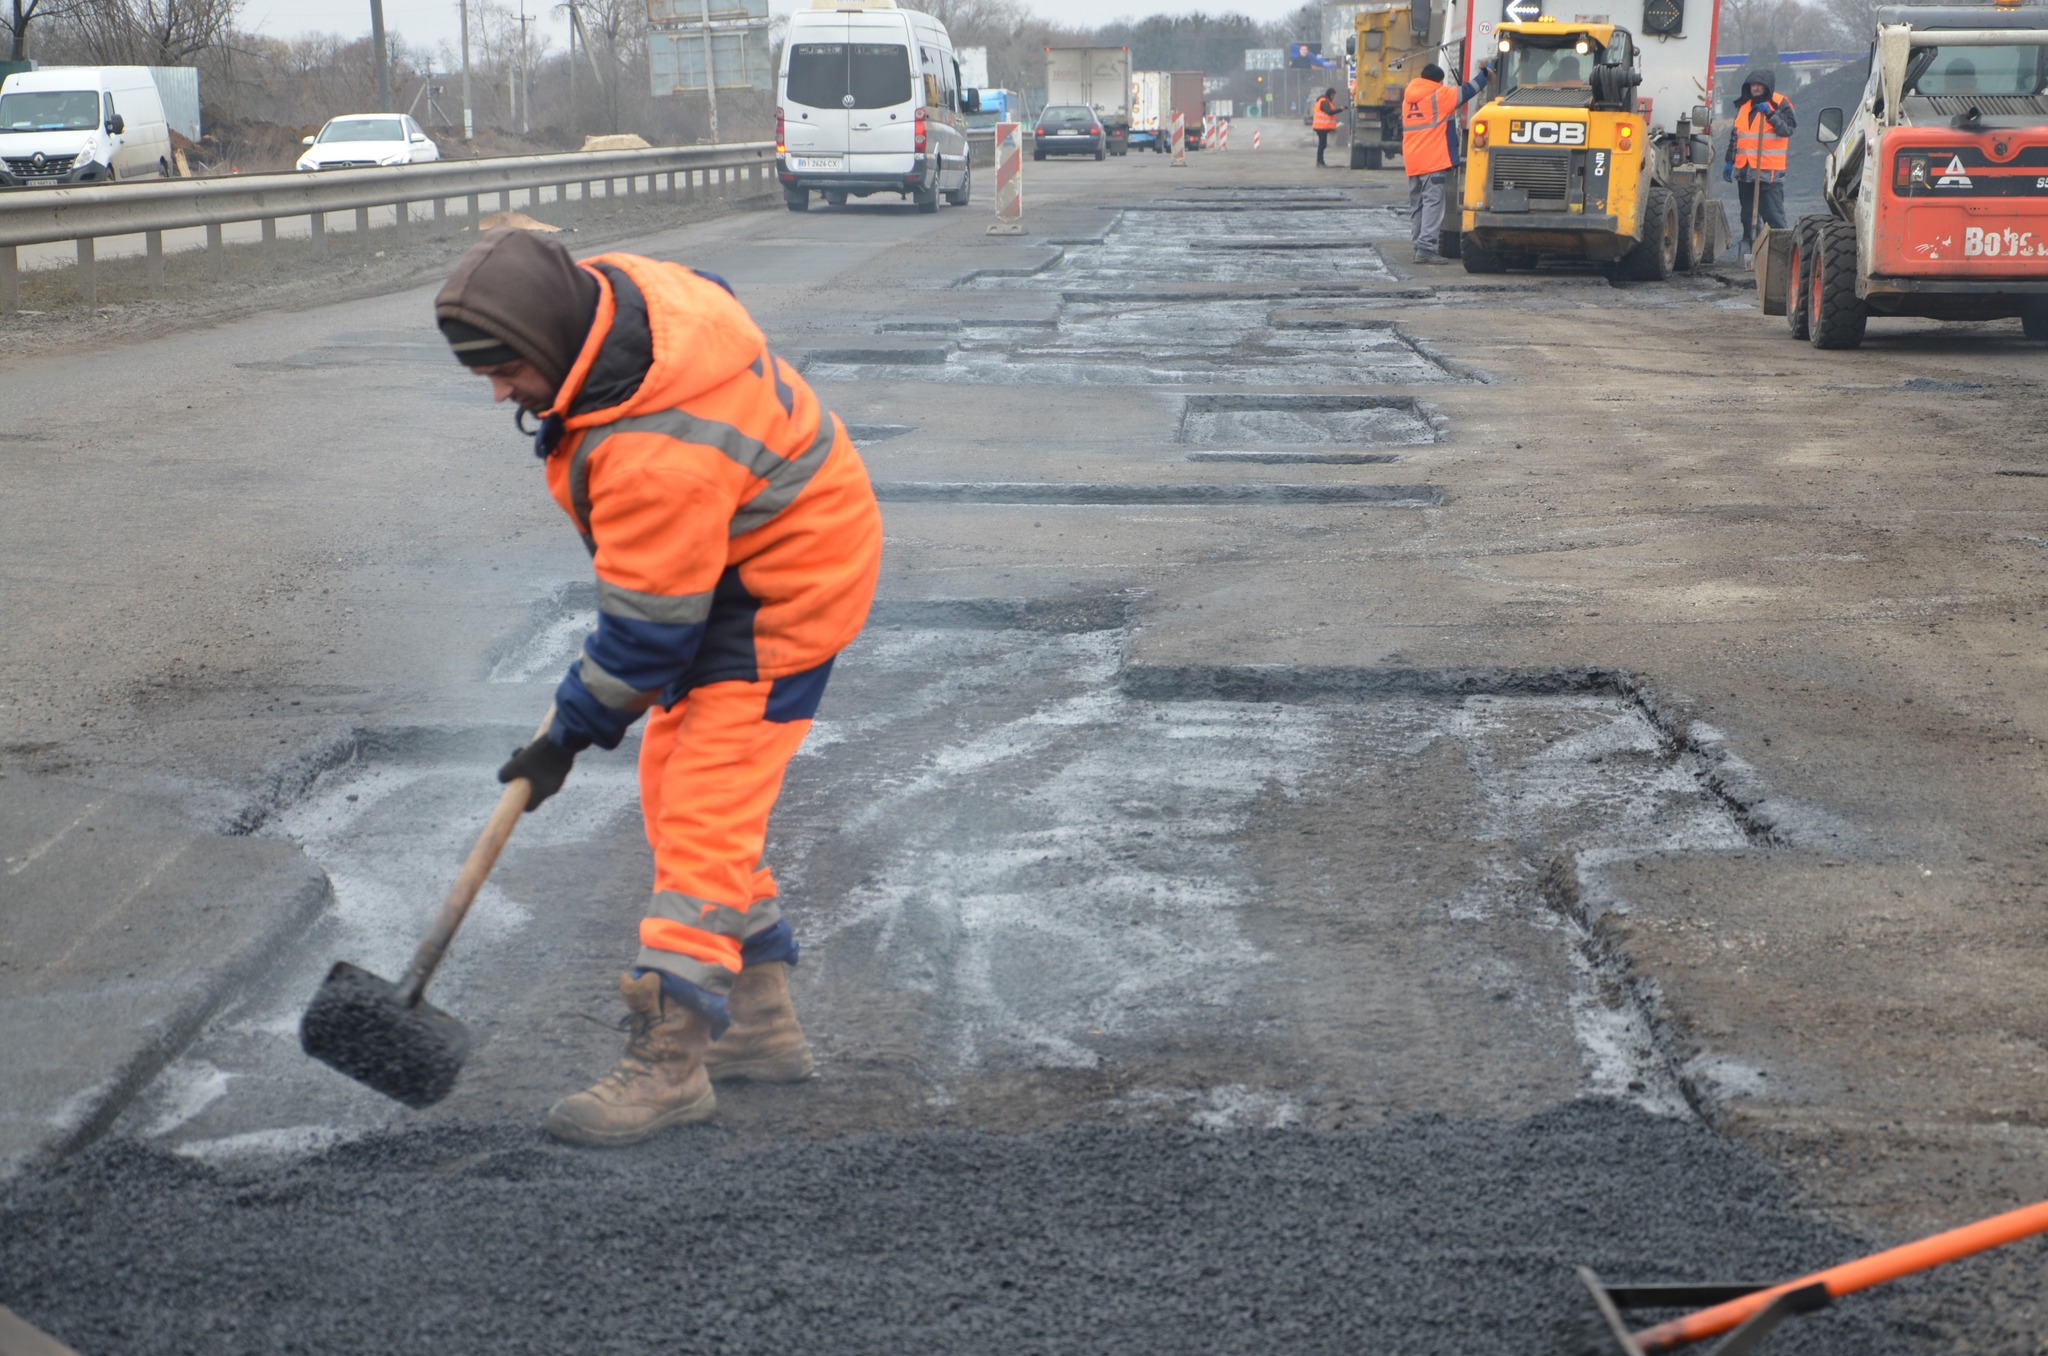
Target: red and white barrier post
1222 135
1180 140
1009 179
1255 138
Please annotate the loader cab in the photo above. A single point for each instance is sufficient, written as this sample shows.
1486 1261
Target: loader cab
1551 65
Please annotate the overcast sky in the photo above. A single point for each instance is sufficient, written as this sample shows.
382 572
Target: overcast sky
430 23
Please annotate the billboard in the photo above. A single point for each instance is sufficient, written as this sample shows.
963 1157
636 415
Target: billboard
739 57
1265 58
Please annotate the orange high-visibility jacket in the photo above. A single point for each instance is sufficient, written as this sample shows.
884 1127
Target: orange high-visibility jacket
1325 115
1757 143
1429 127
731 522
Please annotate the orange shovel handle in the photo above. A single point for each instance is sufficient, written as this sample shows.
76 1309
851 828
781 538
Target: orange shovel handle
1860 1274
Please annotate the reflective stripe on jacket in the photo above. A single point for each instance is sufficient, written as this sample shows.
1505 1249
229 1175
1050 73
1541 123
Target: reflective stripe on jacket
730 519
1326 115
1757 144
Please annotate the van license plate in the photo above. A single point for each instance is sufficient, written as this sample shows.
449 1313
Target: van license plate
816 162
42 183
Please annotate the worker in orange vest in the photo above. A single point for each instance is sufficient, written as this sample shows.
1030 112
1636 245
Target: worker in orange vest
1757 148
1324 120
1430 141
736 542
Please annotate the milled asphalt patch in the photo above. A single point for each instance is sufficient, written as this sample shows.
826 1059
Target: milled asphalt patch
1420 1237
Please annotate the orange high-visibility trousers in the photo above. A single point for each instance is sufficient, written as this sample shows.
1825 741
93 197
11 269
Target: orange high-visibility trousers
711 767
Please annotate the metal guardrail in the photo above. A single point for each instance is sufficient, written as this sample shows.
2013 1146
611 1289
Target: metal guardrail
90 212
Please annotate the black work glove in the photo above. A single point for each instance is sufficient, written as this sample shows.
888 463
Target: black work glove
545 765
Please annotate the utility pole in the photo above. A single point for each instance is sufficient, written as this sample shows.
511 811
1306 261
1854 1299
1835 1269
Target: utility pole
710 75
525 86
383 56
468 120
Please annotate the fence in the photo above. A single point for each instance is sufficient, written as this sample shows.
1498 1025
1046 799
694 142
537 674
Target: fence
90 213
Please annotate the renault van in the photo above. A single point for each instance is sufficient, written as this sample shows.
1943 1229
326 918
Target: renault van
81 125
870 101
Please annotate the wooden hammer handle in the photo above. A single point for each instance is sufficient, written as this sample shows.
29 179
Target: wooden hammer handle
468 881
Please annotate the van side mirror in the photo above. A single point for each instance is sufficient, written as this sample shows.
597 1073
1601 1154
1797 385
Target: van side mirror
117 124
1702 118
1829 130
970 101
1351 45
1418 23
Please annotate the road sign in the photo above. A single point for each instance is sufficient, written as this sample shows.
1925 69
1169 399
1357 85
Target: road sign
1265 58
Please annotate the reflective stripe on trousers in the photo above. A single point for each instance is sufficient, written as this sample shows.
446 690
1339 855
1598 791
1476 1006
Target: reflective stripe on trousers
711 767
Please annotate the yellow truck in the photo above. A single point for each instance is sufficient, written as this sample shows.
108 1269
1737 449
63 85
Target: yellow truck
1594 145
1382 41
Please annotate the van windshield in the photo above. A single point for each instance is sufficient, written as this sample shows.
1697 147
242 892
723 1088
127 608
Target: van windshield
50 110
823 74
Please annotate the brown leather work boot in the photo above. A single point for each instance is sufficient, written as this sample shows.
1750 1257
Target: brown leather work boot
764 1042
659 1082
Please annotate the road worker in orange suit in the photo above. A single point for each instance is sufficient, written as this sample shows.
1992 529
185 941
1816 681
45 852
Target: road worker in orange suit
1324 121
1429 150
736 542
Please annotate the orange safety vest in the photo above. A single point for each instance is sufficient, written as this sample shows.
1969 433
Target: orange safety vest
1326 115
1426 106
731 522
1756 145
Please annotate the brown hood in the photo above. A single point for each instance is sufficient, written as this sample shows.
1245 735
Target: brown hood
526 291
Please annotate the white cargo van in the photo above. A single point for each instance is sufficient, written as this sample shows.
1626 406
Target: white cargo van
81 125
870 101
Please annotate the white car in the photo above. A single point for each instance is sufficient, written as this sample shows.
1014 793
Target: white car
360 139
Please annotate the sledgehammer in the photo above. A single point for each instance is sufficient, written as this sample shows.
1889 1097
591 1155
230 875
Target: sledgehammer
383 1034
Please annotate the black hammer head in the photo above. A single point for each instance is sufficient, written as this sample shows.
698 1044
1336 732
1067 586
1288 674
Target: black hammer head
357 1024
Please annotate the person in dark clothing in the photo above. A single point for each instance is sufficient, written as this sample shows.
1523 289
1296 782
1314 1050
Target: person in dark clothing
1757 147
1325 122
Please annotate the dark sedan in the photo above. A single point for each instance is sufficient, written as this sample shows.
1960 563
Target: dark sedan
1068 129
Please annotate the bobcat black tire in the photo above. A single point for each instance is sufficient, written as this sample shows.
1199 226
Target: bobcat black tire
1358 156
1836 316
1798 277
1478 259
1653 256
1693 245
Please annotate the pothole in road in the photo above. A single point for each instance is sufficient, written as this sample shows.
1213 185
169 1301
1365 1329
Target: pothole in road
1150 341
1308 420
1010 853
1305 243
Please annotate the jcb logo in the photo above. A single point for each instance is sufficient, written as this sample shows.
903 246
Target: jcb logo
1547 133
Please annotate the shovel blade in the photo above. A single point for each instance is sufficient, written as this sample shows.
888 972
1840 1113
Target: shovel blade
357 1024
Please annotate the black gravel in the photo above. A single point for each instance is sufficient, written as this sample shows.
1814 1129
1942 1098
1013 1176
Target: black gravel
1422 1237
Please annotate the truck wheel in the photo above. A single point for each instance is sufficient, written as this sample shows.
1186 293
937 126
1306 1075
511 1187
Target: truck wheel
834 198
1692 229
1478 259
1652 257
927 199
1836 316
1798 278
1359 155
1375 157
966 190
797 199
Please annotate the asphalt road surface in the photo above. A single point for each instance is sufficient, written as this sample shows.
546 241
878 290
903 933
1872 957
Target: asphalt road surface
1365 788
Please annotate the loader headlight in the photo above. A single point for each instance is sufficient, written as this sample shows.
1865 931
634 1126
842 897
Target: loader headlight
1506 46
1583 47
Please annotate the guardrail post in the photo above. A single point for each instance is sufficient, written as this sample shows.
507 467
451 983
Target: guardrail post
10 281
401 233
216 250
476 213
316 228
153 252
269 250
88 276
504 200
440 216
363 231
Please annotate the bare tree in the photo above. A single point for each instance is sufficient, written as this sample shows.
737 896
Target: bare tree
149 32
22 13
